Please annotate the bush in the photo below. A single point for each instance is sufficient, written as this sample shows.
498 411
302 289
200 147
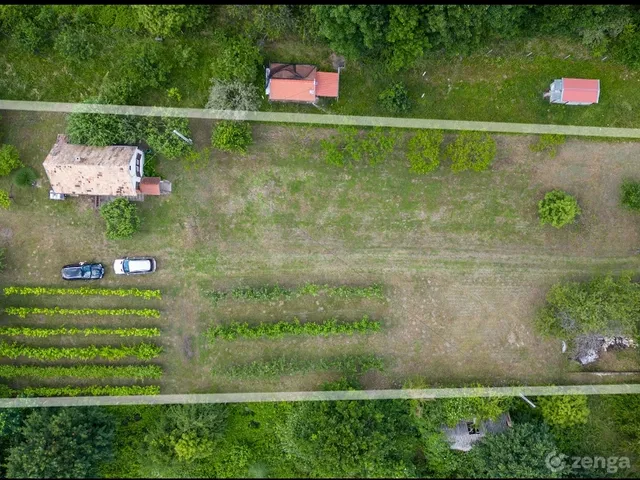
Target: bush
395 99
3 259
159 135
424 151
603 306
150 168
232 95
349 146
74 44
121 217
549 143
472 151
25 177
232 136
5 201
238 60
630 195
564 410
9 159
558 209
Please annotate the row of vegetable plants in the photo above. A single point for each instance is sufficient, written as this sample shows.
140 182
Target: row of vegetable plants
275 292
22 312
142 351
139 372
84 291
347 364
96 390
52 332
331 326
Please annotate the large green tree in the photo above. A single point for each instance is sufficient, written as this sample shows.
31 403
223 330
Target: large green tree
564 410
171 20
184 439
61 443
350 438
520 452
353 30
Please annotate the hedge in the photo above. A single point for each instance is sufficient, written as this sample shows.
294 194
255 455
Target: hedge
81 371
96 390
142 351
347 364
280 329
50 332
84 291
22 312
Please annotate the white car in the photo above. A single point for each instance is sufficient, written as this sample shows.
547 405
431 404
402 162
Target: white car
134 265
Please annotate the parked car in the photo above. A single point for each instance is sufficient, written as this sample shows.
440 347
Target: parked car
83 271
134 265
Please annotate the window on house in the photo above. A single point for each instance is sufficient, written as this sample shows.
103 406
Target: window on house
138 161
472 429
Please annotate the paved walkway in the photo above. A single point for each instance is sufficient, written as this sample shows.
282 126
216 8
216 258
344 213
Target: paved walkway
321 119
310 396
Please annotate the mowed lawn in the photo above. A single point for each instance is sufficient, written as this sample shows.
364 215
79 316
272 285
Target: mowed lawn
464 262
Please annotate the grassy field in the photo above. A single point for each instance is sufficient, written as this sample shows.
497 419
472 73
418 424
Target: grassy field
502 83
464 263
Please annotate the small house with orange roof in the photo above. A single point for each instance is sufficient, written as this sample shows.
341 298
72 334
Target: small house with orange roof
290 82
574 91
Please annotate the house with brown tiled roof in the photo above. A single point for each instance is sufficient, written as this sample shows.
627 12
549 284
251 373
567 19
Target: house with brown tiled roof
290 82
113 171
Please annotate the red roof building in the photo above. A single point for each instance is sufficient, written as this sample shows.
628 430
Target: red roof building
574 91
288 82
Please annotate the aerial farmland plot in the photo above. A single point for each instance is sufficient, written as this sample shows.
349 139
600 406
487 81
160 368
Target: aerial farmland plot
444 272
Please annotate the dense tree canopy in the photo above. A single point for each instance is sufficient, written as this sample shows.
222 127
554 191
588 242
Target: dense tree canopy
169 20
564 410
350 438
519 452
61 443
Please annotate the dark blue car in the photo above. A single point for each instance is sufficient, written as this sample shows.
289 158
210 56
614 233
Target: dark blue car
83 271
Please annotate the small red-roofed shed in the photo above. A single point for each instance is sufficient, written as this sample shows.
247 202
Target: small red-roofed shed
574 91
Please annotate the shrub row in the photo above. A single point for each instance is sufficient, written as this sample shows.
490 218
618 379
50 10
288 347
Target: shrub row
22 312
274 292
347 364
142 351
50 332
279 329
84 291
96 390
81 371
